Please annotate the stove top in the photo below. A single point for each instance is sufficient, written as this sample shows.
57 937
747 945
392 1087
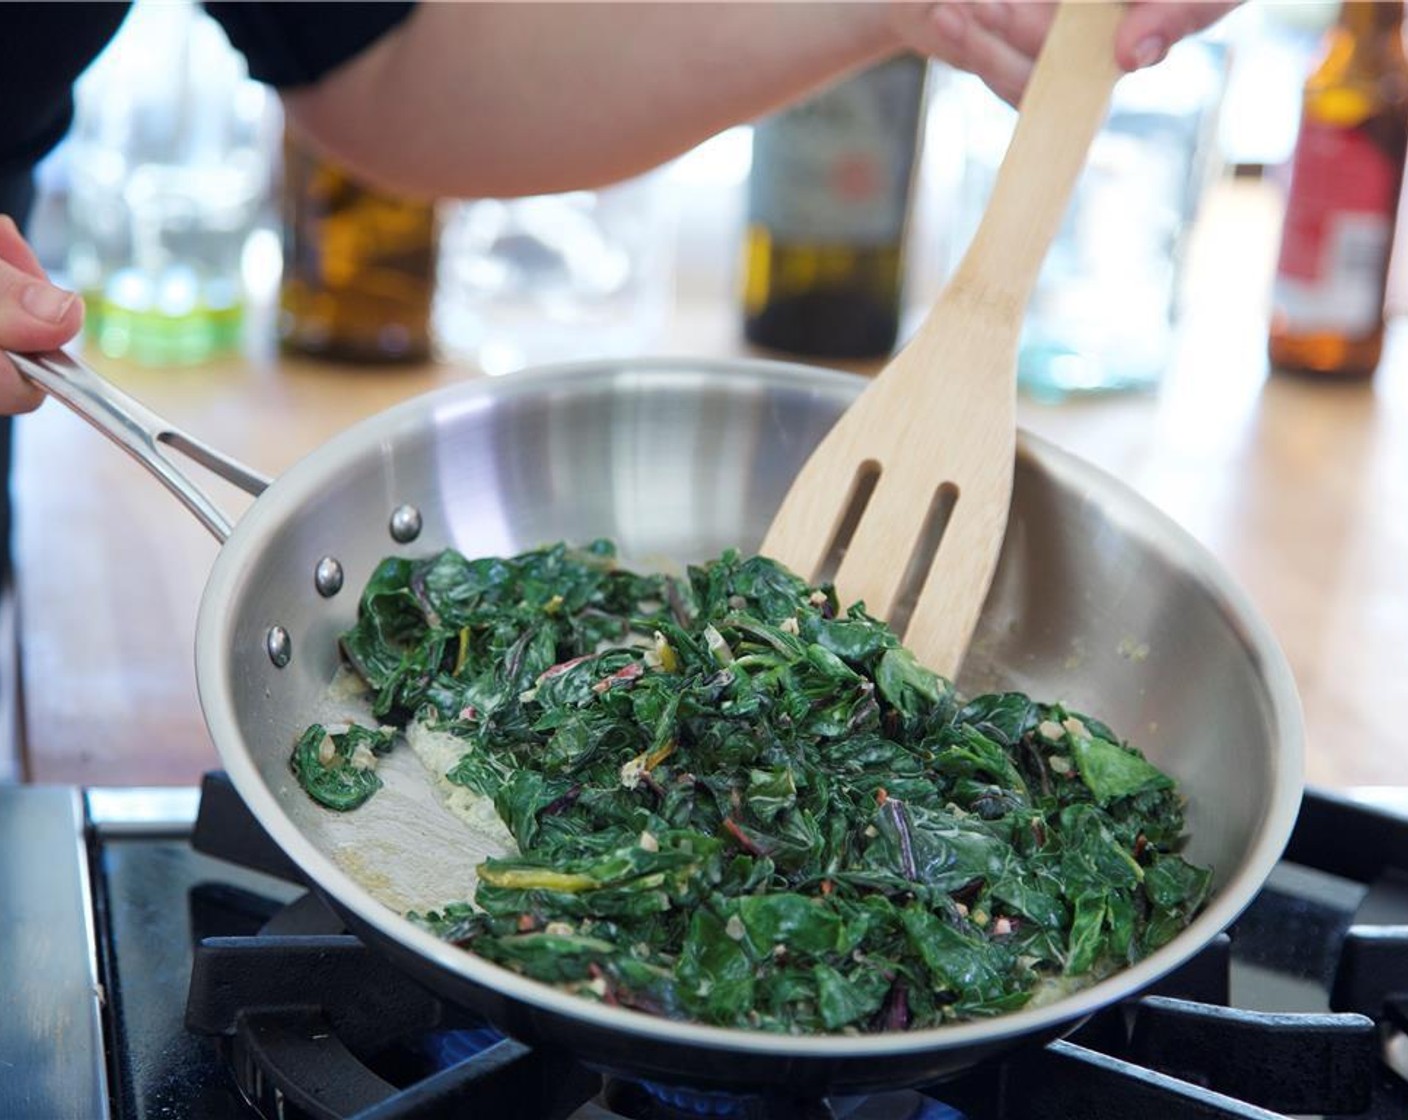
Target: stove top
160 959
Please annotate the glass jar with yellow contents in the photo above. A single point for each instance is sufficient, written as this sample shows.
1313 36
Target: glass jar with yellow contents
359 264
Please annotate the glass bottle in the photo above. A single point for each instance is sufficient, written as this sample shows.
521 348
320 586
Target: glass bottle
169 175
1347 171
359 265
828 207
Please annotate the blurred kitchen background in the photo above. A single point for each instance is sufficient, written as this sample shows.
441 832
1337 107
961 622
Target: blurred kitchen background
264 301
163 206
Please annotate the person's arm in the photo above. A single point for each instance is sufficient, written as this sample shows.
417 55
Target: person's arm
522 98
492 99
511 98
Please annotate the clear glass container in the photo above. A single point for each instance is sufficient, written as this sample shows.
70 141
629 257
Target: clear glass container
1102 317
170 156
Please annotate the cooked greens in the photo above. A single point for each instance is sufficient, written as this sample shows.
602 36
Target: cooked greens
735 803
338 769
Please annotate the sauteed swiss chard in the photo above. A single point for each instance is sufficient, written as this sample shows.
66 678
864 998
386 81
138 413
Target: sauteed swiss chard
735 802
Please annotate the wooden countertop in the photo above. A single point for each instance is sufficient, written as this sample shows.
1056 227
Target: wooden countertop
1299 488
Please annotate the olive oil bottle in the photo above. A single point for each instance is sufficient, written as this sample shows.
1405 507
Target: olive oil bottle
359 265
828 208
1346 175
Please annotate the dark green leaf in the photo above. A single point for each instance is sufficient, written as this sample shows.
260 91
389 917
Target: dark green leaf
715 972
1111 771
908 687
1004 716
967 965
844 1000
1172 883
1087 938
803 925
332 770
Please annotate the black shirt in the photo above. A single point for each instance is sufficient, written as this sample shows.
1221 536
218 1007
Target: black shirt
44 47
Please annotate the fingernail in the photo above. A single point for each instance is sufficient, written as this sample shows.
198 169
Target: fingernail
46 302
950 20
1149 50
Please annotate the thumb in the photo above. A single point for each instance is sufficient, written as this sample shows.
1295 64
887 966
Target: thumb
34 314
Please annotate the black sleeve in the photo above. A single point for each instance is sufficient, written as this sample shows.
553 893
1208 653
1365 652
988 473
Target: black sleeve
294 44
45 46
43 49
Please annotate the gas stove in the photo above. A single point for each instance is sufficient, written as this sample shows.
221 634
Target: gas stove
161 958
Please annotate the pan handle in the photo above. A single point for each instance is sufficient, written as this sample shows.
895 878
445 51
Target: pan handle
140 432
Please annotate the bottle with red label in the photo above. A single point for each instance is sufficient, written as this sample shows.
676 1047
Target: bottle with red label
1328 306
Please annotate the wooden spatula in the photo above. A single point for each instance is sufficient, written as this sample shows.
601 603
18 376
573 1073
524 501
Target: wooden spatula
923 459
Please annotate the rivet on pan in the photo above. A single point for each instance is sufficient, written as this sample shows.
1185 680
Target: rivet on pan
327 577
405 523
279 645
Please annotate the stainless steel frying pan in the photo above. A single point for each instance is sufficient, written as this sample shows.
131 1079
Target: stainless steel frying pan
1100 601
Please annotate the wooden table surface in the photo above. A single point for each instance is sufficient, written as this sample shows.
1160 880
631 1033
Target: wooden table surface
1300 488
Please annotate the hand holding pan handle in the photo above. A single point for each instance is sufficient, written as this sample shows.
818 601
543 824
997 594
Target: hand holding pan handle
140 432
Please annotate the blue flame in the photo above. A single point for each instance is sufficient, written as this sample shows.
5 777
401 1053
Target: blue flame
698 1102
450 1048
726 1105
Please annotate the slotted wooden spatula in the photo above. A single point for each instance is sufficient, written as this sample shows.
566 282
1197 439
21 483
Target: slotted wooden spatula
923 459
